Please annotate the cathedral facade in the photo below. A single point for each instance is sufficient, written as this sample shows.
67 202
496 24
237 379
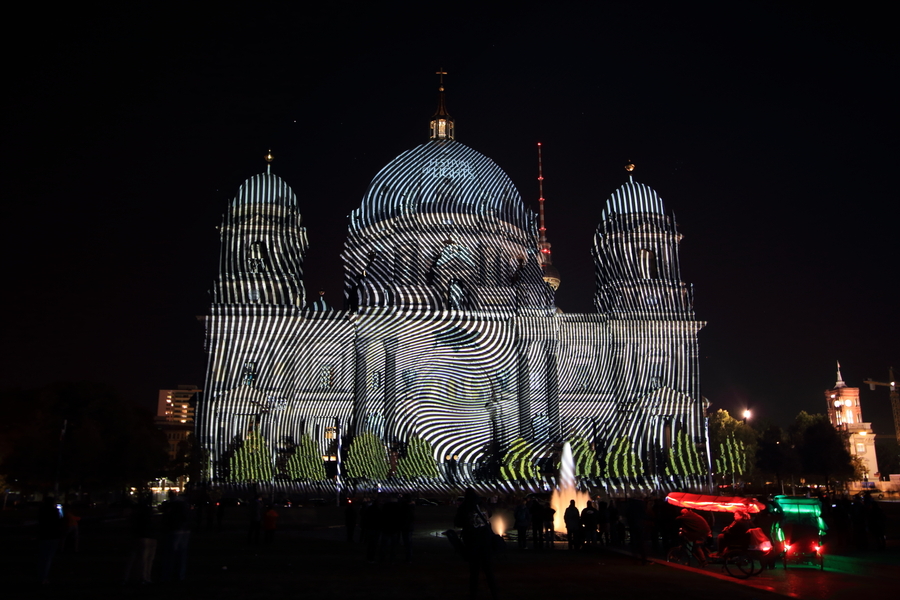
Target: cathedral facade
449 362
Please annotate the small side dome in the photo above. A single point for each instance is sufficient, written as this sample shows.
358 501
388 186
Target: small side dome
265 188
633 198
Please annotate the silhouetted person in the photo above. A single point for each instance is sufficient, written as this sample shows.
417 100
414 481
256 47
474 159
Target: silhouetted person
537 523
478 537
143 534
407 525
371 528
176 534
695 529
50 529
255 510
350 518
522 523
269 523
589 523
572 519
735 534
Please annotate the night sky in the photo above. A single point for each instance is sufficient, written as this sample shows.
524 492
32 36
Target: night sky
771 132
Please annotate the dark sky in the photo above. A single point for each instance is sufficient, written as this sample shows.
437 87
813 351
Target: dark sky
769 131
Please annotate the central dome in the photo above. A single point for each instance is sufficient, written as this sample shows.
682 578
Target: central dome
444 182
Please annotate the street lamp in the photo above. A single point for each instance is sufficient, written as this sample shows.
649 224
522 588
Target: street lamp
747 415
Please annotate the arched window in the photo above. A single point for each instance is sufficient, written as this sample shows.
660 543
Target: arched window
647 264
257 257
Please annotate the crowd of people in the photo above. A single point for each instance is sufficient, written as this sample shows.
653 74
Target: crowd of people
383 525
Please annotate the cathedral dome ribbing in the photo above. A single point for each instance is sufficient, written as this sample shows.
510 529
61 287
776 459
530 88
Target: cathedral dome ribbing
265 189
442 182
632 198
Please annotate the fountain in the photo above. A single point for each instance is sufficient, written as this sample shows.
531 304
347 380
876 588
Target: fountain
566 490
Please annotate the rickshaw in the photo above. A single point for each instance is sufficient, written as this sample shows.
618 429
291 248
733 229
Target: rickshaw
800 529
739 561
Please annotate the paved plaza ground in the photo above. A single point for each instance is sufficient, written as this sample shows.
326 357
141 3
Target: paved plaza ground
310 557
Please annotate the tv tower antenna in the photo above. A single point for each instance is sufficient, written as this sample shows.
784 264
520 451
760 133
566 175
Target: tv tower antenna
551 275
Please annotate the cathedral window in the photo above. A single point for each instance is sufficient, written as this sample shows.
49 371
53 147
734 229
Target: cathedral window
327 377
249 372
647 264
257 260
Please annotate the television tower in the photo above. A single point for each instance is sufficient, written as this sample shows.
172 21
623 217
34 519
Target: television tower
551 275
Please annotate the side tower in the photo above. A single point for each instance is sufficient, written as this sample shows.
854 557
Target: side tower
653 355
263 245
253 332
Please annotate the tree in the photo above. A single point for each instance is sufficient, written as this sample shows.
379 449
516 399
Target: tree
418 461
306 463
586 464
822 449
82 434
517 464
776 456
622 461
252 460
683 458
367 458
731 457
727 437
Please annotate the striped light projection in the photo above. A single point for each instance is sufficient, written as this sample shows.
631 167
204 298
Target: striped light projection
449 363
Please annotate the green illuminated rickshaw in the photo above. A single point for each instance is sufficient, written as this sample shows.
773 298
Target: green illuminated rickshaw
800 530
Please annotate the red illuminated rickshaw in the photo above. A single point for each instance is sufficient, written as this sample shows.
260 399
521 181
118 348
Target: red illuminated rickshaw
739 560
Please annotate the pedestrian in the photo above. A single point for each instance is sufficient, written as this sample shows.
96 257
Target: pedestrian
350 517
522 522
269 521
537 523
589 523
407 525
255 510
50 529
143 551
572 519
176 534
549 514
70 526
371 528
478 538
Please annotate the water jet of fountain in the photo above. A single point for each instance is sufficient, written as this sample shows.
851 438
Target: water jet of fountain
566 489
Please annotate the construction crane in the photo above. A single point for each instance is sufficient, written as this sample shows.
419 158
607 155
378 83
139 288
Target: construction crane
895 398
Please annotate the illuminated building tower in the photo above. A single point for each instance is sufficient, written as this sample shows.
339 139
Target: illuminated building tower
175 414
652 354
551 274
845 414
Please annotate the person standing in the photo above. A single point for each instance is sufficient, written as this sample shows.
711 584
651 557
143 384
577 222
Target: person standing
522 523
50 529
176 522
143 532
537 523
478 537
589 523
255 510
572 519
269 523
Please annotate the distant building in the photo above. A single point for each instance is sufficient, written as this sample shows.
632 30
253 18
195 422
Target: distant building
845 414
175 414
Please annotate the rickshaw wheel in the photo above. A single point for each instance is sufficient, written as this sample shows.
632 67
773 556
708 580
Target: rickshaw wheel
739 566
679 555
